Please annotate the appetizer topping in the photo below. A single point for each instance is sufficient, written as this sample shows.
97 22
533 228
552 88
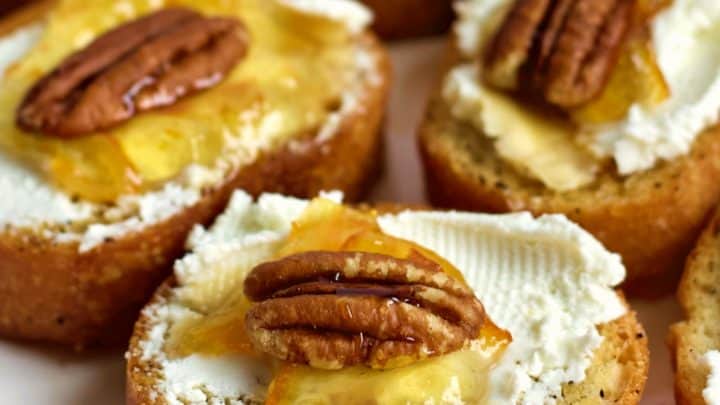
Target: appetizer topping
336 291
147 63
564 50
549 80
286 87
338 309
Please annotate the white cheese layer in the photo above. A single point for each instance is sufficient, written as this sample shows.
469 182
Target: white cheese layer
545 280
685 39
711 393
32 202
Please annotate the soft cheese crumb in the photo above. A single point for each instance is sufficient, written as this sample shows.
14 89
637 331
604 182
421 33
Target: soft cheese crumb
711 393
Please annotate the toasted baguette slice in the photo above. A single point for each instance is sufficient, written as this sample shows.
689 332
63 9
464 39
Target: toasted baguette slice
398 19
690 339
617 374
52 291
650 218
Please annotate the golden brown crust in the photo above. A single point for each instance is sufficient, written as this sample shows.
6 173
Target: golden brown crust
699 297
617 374
51 292
397 19
651 218
619 369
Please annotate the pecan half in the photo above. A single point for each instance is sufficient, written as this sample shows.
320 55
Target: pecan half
336 309
147 63
563 49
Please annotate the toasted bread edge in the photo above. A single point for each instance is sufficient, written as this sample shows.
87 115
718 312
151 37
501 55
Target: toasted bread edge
699 297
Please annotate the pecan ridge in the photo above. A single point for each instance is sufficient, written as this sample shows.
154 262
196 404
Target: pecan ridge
563 49
144 64
336 309
510 48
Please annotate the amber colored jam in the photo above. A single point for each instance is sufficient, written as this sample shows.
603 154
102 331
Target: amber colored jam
462 373
219 333
296 70
325 225
636 78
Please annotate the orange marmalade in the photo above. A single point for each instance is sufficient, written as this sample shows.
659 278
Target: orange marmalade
294 74
325 225
636 78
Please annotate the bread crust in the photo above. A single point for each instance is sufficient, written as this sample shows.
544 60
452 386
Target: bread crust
617 374
699 298
650 218
52 292
619 369
398 19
